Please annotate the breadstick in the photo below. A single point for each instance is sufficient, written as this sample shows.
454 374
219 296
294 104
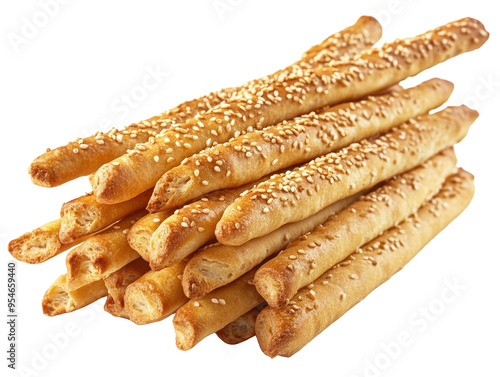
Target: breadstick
283 97
139 235
286 330
190 227
155 295
199 318
242 328
85 215
310 187
101 254
85 156
255 154
59 300
117 282
306 259
40 244
218 265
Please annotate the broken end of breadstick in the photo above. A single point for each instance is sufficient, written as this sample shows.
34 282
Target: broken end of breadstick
185 334
40 244
155 295
59 300
139 235
271 284
117 283
242 328
171 190
110 190
42 175
272 335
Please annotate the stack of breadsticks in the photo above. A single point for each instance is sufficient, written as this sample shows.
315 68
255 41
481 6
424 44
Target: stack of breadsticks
268 209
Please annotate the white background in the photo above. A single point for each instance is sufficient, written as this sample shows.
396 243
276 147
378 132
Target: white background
69 77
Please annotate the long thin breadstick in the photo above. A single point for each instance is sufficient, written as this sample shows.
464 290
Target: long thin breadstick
191 227
59 300
201 317
40 244
85 156
156 295
139 235
306 259
242 328
218 265
85 215
251 156
283 97
286 330
101 254
117 282
312 186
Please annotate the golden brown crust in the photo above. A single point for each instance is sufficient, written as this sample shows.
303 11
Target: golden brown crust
283 97
85 156
306 259
155 295
85 215
139 235
59 300
191 227
308 188
286 330
117 282
242 328
201 317
251 156
217 265
102 254
40 244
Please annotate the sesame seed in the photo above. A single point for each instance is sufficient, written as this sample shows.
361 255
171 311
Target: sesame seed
204 183
156 158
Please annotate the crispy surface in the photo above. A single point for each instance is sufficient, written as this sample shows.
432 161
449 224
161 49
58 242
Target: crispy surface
306 259
101 254
85 215
41 244
306 189
191 227
59 300
155 295
201 317
281 97
85 156
253 155
217 265
139 235
117 282
286 330
242 328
